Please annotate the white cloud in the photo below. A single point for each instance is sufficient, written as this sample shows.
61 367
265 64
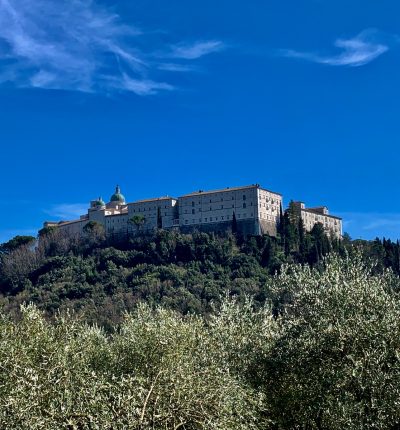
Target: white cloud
368 225
356 52
81 46
67 211
174 67
196 50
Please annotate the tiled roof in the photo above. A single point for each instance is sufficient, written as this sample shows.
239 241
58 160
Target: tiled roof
152 200
314 212
228 189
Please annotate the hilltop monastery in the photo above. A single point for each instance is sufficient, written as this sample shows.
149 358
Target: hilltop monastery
255 209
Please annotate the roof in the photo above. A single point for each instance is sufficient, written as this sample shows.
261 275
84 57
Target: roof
152 200
228 189
319 213
62 223
123 214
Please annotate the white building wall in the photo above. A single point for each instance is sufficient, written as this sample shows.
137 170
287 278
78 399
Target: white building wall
213 207
116 224
332 225
269 205
72 228
149 209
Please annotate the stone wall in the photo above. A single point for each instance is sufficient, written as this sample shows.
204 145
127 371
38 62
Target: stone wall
245 227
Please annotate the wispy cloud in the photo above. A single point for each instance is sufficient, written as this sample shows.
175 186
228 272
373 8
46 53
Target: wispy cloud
355 52
196 50
82 46
368 225
67 211
174 67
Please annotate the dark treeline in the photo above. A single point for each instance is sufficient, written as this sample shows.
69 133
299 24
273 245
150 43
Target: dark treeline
102 278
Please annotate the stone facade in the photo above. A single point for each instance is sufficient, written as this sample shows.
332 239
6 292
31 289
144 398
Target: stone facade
253 210
256 210
161 212
311 216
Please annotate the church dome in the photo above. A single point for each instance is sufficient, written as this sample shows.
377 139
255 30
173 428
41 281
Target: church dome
117 197
100 202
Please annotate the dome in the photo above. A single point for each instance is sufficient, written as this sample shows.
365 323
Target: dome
117 196
99 202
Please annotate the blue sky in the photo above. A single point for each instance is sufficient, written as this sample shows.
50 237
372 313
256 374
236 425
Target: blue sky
167 97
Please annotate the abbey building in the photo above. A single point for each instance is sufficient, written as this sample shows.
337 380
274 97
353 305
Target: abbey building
251 210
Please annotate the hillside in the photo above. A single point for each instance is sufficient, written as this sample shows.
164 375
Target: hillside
101 280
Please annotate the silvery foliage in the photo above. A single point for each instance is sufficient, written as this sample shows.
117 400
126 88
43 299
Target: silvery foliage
336 363
160 371
330 360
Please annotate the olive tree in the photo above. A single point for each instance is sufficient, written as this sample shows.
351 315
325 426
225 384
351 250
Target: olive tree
336 363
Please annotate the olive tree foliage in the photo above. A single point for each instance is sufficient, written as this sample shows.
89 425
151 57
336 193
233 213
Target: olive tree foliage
336 363
160 371
325 355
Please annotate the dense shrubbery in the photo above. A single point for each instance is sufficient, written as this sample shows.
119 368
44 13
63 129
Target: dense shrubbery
102 279
329 359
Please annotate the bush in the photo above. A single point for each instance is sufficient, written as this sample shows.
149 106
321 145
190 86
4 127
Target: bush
161 371
336 364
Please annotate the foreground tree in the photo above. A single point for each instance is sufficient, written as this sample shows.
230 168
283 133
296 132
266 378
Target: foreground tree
336 364
161 371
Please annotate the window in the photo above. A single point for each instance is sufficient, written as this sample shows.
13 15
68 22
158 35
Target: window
244 205
192 204
244 197
186 221
205 219
193 211
222 206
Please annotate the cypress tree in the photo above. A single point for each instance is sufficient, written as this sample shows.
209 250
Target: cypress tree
159 218
234 224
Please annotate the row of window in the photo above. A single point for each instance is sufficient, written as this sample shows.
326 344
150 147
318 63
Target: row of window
216 219
271 200
199 202
269 217
265 205
148 210
222 207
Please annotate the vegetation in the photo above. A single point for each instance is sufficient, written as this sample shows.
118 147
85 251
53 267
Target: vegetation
328 360
102 278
